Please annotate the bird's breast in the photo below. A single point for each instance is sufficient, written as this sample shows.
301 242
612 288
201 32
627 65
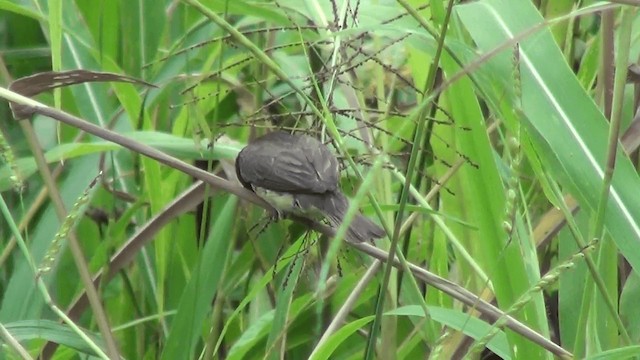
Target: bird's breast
305 206
279 200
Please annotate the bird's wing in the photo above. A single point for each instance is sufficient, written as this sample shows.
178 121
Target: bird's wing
322 161
300 166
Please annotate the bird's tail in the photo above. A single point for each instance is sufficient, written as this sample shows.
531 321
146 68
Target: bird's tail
360 228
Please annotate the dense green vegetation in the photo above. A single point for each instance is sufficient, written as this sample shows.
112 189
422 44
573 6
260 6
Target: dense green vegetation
482 135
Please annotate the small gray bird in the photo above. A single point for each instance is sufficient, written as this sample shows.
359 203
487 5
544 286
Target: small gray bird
298 174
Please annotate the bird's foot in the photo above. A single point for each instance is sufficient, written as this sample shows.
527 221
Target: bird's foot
276 215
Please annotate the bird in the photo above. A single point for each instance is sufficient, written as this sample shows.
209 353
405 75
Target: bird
297 174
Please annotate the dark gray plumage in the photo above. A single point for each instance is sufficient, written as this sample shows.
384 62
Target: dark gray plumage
298 174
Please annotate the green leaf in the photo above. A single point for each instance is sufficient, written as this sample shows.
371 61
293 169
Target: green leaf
460 321
206 276
559 110
10 5
25 330
622 353
173 145
629 309
470 326
282 312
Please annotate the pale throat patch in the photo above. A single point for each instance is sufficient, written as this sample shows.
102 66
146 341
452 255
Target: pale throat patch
280 201
286 202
